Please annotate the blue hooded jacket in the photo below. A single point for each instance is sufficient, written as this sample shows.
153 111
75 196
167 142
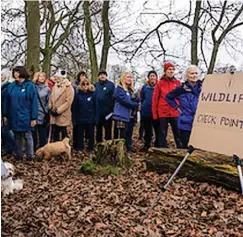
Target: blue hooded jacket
21 105
104 93
188 99
86 108
146 99
123 105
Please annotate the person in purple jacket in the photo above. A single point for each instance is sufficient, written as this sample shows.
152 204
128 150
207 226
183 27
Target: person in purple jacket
187 94
124 106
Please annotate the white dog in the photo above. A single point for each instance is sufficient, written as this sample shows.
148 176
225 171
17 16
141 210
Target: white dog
8 184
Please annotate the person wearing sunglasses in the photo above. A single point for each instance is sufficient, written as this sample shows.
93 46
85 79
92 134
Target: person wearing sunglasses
60 102
86 113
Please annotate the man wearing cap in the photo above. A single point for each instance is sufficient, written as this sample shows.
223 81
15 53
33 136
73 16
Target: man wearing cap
187 94
60 103
104 94
161 109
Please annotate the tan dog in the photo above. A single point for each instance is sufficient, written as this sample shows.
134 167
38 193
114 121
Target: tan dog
54 149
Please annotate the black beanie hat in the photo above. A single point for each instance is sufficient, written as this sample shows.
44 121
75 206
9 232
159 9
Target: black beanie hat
152 72
102 71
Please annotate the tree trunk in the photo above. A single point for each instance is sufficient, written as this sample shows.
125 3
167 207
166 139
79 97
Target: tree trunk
33 36
200 166
194 34
46 67
106 36
90 42
213 58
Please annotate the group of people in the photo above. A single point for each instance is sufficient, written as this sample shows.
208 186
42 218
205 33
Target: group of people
40 110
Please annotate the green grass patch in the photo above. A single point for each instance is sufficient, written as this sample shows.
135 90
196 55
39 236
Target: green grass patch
91 168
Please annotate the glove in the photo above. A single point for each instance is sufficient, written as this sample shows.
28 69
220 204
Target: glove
54 113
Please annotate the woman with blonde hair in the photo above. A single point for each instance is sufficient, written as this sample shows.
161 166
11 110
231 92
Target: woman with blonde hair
187 94
86 114
44 92
126 106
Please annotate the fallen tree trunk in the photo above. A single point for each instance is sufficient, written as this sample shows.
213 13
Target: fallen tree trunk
201 166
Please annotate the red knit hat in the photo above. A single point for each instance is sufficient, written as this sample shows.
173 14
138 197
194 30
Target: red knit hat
167 65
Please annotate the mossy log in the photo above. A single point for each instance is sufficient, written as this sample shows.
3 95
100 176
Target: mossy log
201 166
112 152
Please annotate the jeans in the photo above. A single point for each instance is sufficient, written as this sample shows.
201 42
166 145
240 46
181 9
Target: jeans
86 130
8 142
107 124
185 137
28 143
164 128
149 125
40 132
57 130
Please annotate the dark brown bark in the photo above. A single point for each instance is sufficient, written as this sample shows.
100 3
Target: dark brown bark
90 41
33 36
106 34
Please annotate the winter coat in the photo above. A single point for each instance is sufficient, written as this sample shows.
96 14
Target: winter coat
61 99
86 108
21 106
104 94
146 95
123 105
188 97
44 94
160 108
4 87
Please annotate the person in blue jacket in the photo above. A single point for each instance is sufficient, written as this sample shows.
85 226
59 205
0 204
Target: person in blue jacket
8 143
187 95
104 94
146 112
124 105
21 110
86 111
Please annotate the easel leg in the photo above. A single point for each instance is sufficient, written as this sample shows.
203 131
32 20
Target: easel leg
189 152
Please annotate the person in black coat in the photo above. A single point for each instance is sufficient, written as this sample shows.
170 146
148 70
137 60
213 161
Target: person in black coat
86 111
104 94
80 78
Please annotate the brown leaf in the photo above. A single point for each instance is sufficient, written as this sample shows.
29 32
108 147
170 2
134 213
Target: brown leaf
204 214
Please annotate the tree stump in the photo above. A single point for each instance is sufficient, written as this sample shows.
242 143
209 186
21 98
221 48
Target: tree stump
110 158
112 152
201 166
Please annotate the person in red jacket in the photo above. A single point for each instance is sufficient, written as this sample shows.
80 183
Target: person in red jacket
161 109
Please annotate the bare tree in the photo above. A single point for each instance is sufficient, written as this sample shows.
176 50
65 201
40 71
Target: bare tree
33 35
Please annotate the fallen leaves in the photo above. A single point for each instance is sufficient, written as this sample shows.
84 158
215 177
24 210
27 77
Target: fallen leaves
59 201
